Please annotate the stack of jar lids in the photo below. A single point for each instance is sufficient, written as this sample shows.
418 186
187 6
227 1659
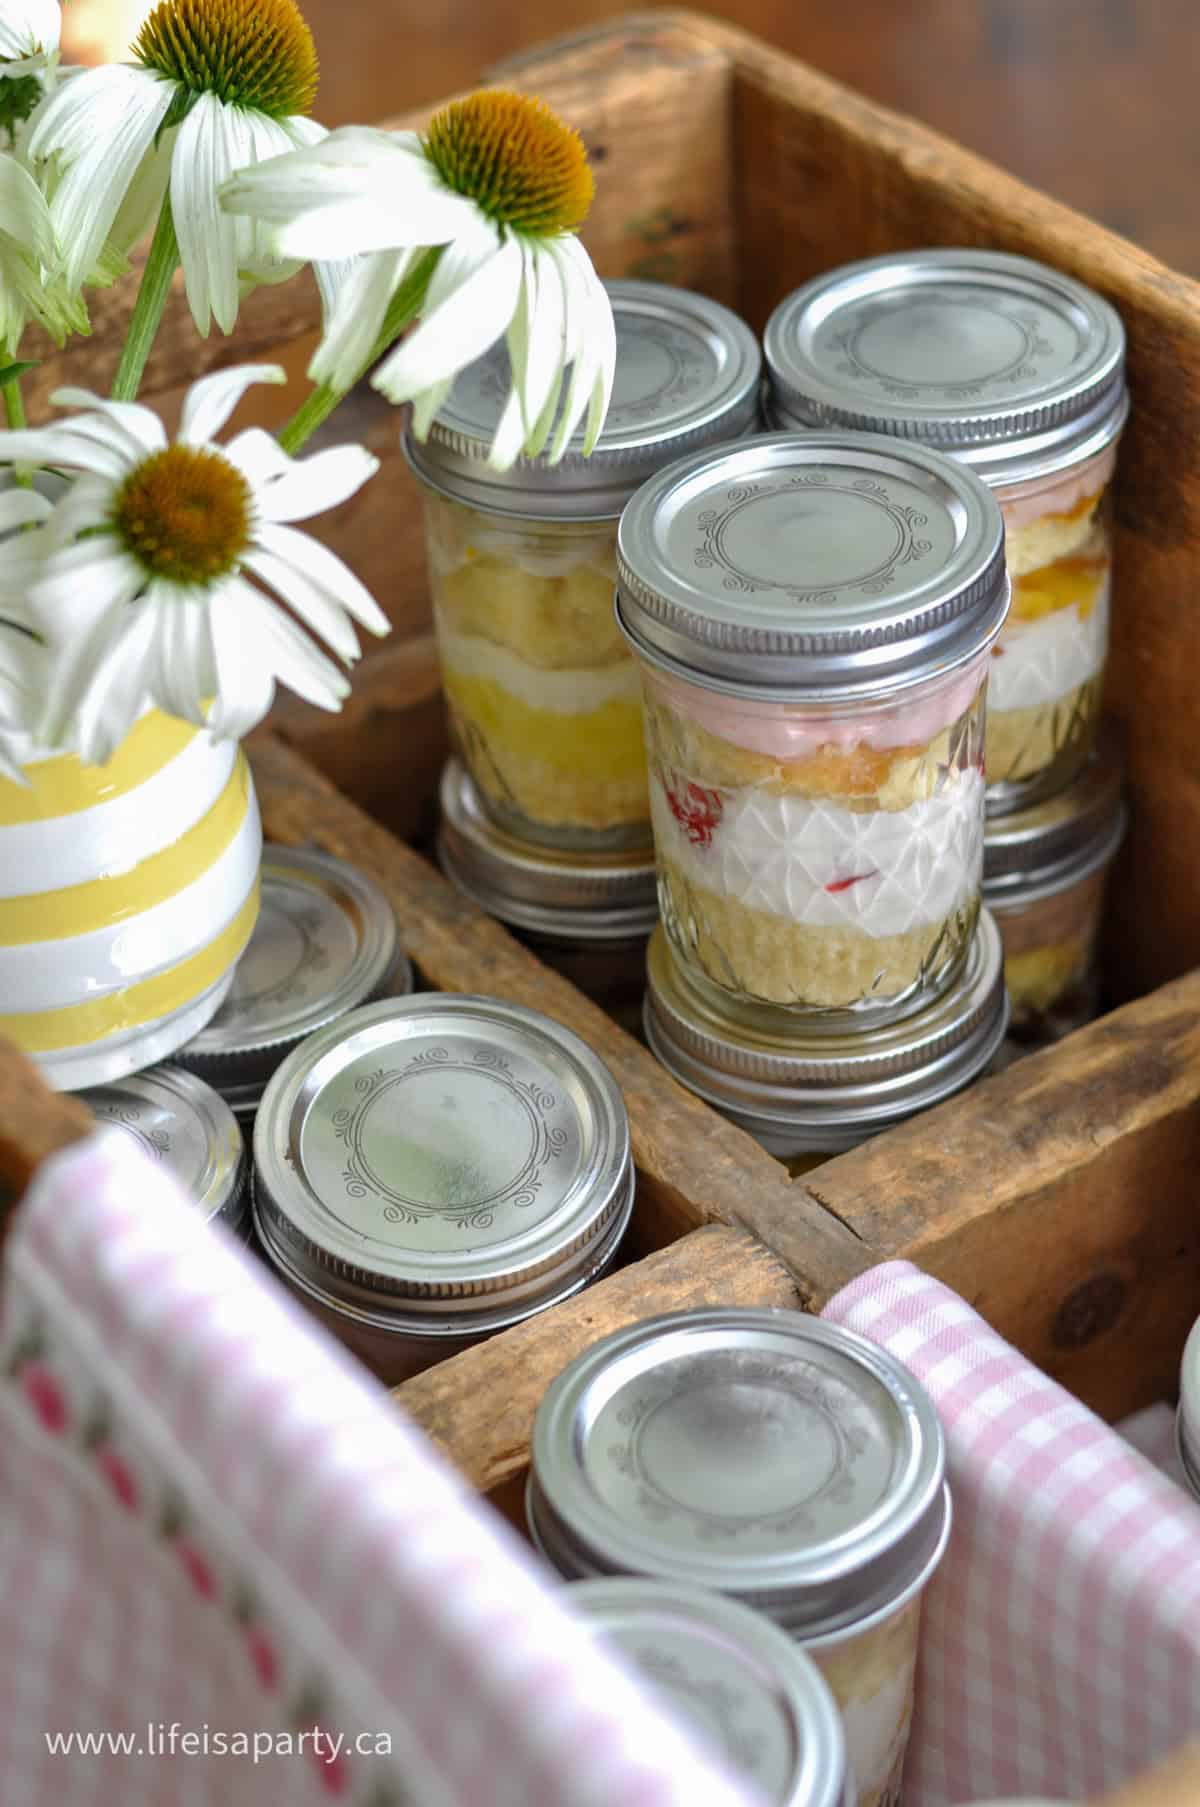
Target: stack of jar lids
543 890
324 942
441 1166
813 1088
189 1128
1060 841
750 1692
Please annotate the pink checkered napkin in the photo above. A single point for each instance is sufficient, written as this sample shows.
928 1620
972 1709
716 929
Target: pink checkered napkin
214 1525
1061 1648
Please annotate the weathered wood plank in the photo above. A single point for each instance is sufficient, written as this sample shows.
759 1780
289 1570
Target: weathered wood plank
1059 1198
479 1406
693 1166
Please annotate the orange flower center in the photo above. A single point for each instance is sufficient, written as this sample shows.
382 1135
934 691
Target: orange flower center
185 514
249 53
515 159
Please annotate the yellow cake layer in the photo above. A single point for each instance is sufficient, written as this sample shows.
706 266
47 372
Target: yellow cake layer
1069 583
553 622
1021 742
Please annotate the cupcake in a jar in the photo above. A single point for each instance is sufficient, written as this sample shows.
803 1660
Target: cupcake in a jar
1019 372
814 614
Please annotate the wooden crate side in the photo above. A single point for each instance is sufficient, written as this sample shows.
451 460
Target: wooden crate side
1058 1198
34 1123
479 1406
825 176
693 1166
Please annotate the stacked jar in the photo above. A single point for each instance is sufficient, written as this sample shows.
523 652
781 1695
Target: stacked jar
1017 372
547 810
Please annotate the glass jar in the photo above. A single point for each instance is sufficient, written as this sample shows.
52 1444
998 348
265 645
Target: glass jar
813 615
739 1682
588 915
772 1457
188 1127
1044 873
1018 371
542 694
324 942
1188 1417
429 1170
809 1097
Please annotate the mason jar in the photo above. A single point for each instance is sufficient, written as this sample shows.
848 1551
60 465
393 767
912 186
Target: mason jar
813 614
432 1169
1044 874
808 1096
1018 371
188 1129
744 1687
772 1457
588 915
325 941
542 694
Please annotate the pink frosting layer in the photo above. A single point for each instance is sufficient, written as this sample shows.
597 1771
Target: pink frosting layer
1024 503
787 731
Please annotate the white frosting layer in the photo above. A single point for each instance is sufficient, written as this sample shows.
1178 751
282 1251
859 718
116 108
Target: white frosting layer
877 1730
564 692
1040 661
814 862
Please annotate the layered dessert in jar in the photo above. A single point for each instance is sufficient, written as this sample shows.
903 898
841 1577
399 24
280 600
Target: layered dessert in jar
543 695
771 1457
813 614
1018 371
1045 873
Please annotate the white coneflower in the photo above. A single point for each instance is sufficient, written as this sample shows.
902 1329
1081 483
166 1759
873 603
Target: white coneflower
471 227
141 583
213 85
27 253
22 654
30 33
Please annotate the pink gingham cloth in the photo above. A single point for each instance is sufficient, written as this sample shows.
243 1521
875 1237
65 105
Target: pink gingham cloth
214 1525
1061 1645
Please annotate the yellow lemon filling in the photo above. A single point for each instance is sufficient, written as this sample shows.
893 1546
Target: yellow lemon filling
1068 583
1038 979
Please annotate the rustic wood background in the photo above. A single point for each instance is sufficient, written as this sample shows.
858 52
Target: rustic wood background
1092 100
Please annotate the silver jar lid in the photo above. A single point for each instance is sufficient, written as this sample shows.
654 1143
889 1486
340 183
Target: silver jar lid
447 1162
325 941
750 1691
549 891
188 1127
1003 362
687 375
765 1454
820 566
1188 1417
1042 850
829 1090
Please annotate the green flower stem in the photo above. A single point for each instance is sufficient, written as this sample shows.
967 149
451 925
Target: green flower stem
321 400
161 266
14 413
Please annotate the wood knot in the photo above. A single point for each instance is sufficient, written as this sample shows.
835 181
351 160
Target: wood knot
1089 1311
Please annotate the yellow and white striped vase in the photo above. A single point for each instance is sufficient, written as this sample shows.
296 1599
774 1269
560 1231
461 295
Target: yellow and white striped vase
127 893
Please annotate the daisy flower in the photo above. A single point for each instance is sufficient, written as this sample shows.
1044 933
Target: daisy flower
22 654
149 581
471 227
213 85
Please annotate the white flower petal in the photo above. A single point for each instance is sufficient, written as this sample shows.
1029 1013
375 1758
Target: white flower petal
209 402
291 655
459 330
30 31
98 128
20 506
509 436
357 321
311 485
325 617
60 445
258 455
183 671
140 430
318 565
117 685
427 405
214 141
245 675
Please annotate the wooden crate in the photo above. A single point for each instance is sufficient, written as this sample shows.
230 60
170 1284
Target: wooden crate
1058 1197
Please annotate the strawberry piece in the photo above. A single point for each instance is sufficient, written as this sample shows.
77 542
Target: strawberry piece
698 811
844 884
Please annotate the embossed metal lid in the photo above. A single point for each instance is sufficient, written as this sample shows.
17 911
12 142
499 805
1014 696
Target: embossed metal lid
820 1090
687 375
812 565
766 1454
1188 1417
1001 361
187 1126
325 940
587 897
454 1160
744 1685
1042 850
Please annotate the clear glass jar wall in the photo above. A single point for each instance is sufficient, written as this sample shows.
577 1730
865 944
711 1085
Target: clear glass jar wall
819 858
542 691
1050 960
